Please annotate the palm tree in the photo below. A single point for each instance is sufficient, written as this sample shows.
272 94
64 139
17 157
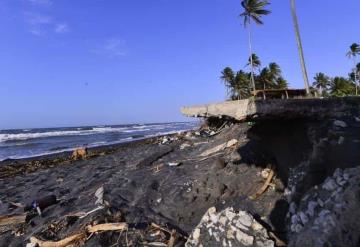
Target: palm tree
241 84
321 82
352 53
300 48
341 87
253 11
256 63
227 76
281 83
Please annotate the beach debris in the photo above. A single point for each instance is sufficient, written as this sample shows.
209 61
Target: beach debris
172 239
71 240
339 123
40 204
79 153
99 194
157 168
184 145
174 164
62 243
107 227
84 214
13 219
265 186
16 204
220 147
229 228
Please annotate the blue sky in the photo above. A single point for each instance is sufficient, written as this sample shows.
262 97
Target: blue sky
84 62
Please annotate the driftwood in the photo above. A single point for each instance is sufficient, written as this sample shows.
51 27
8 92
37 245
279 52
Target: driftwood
172 239
220 147
264 187
7 220
81 236
62 243
107 227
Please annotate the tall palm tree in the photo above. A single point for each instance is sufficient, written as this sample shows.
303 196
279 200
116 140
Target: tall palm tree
321 82
228 76
253 11
300 48
352 53
256 63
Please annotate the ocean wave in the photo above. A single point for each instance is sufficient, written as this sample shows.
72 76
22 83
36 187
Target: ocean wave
27 136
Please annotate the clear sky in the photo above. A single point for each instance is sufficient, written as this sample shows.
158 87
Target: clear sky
85 62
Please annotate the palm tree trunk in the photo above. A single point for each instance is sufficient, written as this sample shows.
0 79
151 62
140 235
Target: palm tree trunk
300 48
251 59
355 77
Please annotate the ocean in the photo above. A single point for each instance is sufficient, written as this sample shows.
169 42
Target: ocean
25 143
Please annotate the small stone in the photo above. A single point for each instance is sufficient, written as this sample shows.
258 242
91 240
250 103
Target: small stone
339 123
265 243
329 184
341 140
211 210
311 208
294 219
196 234
245 219
230 234
245 239
224 243
230 214
256 226
292 208
304 218
241 226
223 220
320 202
340 181
298 228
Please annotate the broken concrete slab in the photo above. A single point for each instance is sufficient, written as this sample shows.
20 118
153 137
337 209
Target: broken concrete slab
249 109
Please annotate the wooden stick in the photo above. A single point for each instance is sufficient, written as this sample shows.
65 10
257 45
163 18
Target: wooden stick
161 228
62 243
107 227
264 187
172 239
12 219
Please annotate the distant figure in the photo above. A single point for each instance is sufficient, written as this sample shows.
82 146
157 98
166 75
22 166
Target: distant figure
79 153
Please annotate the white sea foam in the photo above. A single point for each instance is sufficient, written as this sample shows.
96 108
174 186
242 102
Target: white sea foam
27 136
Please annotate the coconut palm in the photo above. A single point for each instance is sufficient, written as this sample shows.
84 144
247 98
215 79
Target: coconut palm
241 85
321 82
227 77
341 87
352 54
281 83
253 11
300 48
256 63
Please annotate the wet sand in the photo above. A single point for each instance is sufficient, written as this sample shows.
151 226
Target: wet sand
140 188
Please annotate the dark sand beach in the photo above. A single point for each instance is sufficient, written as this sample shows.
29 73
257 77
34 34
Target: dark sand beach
141 186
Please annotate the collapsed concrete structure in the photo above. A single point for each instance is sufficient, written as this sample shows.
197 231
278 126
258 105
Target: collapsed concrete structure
313 146
248 109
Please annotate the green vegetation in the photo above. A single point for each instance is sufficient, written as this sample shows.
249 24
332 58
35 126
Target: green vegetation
340 86
237 83
253 11
240 84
